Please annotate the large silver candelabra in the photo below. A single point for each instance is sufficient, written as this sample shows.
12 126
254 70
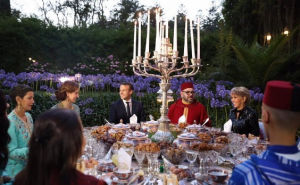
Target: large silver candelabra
165 62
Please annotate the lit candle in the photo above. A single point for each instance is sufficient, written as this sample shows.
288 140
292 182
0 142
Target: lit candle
198 39
185 39
140 30
175 34
157 30
148 32
167 26
192 39
159 38
134 41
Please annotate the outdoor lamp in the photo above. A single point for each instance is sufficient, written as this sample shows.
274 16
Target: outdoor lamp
269 38
286 31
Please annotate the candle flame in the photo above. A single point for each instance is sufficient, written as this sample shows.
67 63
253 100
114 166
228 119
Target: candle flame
148 11
140 14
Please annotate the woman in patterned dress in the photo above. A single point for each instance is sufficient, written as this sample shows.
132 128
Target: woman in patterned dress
20 129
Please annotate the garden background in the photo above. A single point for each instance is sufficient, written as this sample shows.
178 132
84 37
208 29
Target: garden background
246 44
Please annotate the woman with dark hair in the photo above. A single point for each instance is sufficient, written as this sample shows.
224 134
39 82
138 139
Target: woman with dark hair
56 144
20 128
67 95
244 119
4 137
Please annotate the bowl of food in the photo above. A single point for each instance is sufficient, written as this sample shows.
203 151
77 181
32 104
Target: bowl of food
122 175
218 175
174 154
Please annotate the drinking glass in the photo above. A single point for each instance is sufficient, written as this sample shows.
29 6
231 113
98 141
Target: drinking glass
152 157
139 155
214 156
203 155
191 156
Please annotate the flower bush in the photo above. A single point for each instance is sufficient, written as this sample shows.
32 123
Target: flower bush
99 91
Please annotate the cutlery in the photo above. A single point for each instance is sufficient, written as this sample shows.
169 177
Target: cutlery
205 122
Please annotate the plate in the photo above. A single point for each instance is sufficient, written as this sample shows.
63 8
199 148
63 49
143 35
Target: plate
210 182
193 126
151 123
136 137
135 182
187 136
121 126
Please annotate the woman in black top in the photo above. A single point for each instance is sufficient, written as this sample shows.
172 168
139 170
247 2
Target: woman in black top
244 119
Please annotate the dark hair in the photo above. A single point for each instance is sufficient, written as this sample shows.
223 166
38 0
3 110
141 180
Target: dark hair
19 90
129 84
4 136
54 148
67 86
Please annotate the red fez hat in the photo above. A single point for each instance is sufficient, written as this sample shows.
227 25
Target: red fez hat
187 85
282 95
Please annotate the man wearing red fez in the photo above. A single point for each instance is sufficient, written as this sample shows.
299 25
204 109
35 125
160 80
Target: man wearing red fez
188 106
280 162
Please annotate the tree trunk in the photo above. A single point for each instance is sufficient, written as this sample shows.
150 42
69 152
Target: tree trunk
5 7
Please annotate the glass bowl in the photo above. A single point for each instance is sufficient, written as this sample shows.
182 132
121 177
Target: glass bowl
174 155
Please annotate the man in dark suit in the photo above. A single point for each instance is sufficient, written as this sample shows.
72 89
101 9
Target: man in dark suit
126 106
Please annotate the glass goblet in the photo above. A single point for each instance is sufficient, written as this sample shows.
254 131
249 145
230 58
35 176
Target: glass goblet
152 157
191 156
203 155
214 156
139 155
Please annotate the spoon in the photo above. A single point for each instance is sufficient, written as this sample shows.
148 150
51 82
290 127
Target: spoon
205 122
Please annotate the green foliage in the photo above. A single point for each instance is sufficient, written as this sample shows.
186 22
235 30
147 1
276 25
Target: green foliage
257 65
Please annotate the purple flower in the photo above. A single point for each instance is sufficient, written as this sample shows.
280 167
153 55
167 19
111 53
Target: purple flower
53 97
7 97
259 97
88 111
208 94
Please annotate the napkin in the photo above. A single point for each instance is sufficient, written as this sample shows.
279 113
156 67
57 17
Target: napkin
182 119
227 126
124 161
133 119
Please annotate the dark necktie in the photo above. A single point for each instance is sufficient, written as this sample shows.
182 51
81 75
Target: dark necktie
128 110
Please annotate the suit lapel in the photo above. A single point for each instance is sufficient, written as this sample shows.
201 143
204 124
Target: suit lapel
123 108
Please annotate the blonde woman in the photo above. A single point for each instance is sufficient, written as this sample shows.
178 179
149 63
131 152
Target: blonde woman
244 119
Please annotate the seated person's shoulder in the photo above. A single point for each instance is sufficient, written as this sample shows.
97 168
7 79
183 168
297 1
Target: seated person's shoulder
245 167
89 180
